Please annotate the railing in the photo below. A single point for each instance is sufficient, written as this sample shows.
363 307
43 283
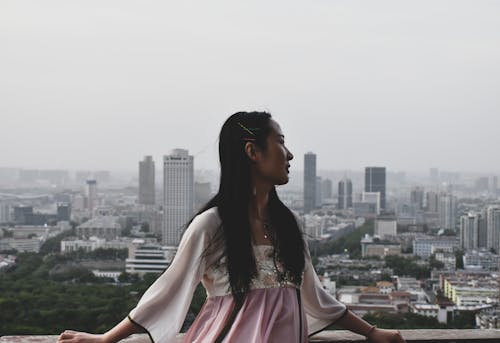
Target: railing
337 336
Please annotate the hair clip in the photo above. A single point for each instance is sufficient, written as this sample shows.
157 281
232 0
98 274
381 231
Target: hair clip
243 126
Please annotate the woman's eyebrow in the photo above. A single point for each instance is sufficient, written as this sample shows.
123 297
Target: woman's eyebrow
281 136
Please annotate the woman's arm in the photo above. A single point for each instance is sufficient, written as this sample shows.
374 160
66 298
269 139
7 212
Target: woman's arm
122 330
354 323
358 325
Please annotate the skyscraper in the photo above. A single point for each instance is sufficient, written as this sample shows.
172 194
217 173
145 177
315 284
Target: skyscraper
417 198
375 182
147 181
91 196
178 194
493 227
447 208
319 191
326 189
345 194
432 202
469 230
309 182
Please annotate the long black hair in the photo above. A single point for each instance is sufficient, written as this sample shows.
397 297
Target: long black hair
233 200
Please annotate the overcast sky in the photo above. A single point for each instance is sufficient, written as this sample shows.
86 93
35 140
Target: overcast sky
402 84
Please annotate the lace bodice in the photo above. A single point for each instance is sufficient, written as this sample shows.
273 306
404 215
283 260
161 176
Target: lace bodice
270 275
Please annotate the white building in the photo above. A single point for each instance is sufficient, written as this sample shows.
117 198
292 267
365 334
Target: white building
69 244
148 258
107 273
469 230
103 226
426 246
447 208
178 190
147 181
385 227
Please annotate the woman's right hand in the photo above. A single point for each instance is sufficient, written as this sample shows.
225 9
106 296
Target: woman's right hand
70 336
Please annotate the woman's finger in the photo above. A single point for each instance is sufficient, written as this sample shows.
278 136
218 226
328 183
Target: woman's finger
66 335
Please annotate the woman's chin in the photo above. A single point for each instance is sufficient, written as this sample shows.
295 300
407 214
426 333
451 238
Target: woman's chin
283 181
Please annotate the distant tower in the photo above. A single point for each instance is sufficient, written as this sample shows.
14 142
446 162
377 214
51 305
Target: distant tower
91 196
178 194
345 194
319 191
309 182
493 227
417 198
469 230
147 181
432 202
447 207
326 189
375 182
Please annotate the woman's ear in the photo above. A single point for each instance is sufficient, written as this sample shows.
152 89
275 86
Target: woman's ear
251 151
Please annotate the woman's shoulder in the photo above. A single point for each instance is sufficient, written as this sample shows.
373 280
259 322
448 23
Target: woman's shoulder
206 222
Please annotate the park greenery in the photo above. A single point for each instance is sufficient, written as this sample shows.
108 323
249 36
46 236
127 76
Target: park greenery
48 292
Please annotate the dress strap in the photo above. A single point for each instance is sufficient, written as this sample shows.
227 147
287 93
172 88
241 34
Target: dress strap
300 313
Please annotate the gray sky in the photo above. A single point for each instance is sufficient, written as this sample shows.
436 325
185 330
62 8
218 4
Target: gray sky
98 84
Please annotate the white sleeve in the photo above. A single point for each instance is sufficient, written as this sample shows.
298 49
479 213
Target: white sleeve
162 308
322 309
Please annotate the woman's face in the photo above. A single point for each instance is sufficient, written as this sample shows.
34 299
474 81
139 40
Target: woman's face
273 165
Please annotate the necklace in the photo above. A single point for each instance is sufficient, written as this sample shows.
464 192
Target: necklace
266 230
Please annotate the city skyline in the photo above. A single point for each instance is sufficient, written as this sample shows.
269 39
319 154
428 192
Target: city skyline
357 84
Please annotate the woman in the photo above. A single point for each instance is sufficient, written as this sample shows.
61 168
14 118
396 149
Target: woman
247 249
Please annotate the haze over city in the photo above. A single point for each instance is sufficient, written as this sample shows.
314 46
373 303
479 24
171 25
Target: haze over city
98 85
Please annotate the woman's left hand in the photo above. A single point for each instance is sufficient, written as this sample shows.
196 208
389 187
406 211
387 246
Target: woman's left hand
385 336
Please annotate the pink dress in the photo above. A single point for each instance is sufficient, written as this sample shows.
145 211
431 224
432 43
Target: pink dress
275 310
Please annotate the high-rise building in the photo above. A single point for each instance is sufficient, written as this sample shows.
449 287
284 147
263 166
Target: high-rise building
432 202
417 198
493 228
469 230
64 211
319 191
447 208
147 181
482 232
345 194
375 181
4 213
326 189
91 196
178 194
309 182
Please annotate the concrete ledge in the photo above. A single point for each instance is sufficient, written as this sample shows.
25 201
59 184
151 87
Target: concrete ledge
337 336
